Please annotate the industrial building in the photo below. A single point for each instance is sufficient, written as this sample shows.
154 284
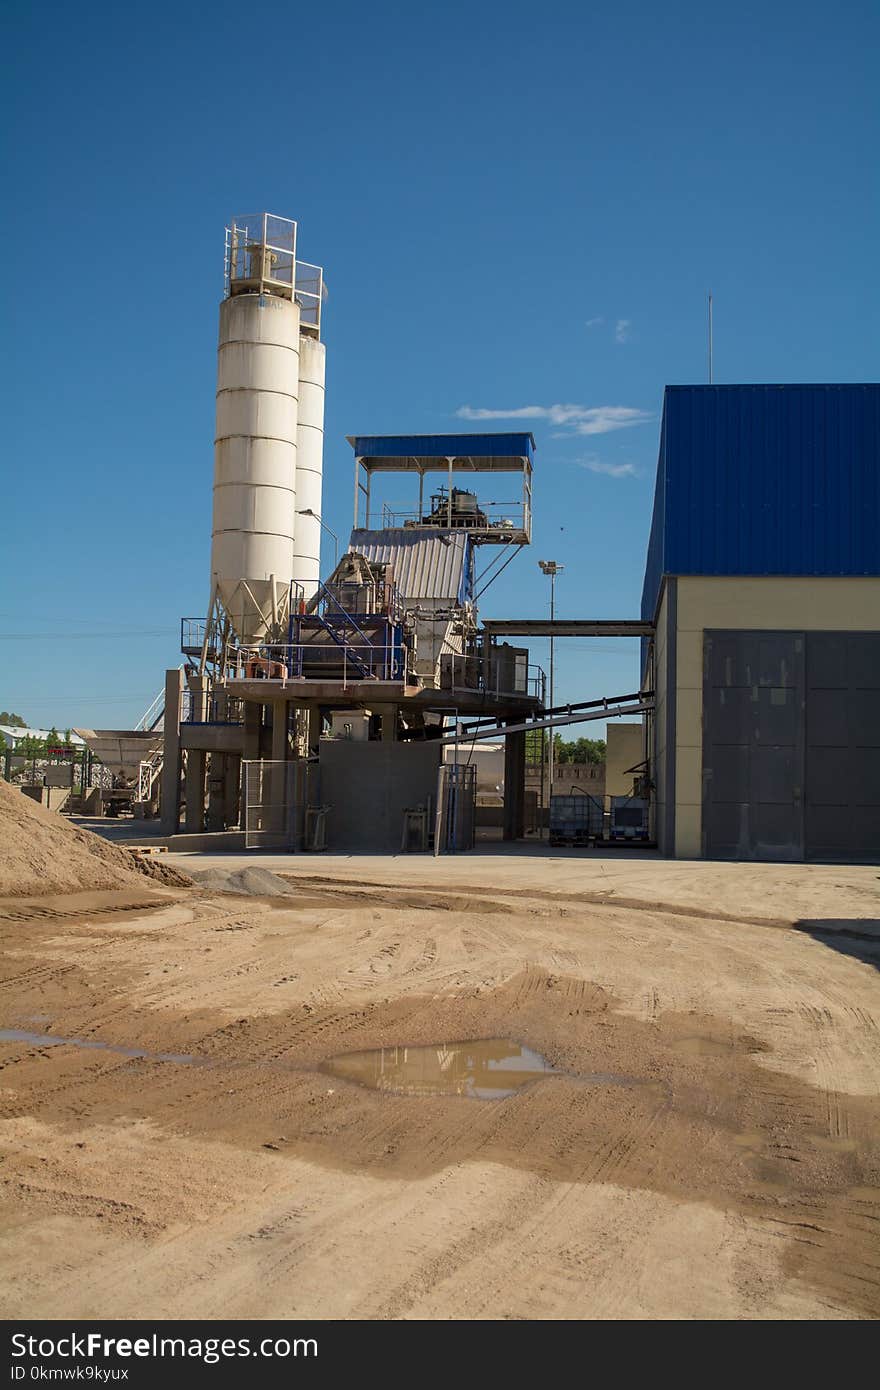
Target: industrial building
311 712
344 711
763 587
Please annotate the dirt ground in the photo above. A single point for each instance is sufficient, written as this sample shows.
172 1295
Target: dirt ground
728 1167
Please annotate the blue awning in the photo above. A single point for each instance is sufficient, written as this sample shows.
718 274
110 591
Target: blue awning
430 452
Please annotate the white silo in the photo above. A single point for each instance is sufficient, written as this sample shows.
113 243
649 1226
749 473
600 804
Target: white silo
309 465
262 329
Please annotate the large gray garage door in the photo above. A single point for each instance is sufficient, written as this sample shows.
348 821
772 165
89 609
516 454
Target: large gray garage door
791 748
753 745
842 788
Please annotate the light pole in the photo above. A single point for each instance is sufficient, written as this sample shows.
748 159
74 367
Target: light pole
551 568
307 511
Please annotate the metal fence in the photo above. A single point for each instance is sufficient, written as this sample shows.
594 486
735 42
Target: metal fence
270 805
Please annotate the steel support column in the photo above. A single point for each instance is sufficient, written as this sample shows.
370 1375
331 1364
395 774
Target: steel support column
196 761
514 784
169 808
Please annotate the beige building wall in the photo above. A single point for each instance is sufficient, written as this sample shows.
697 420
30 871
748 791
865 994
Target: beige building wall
625 745
773 603
660 678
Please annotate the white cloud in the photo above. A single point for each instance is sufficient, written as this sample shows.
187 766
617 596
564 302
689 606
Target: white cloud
592 323
577 419
611 470
621 331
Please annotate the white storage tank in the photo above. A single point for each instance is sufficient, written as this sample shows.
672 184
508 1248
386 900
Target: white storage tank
266 323
309 466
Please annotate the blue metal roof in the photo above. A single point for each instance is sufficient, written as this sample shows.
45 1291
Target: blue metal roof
765 480
425 447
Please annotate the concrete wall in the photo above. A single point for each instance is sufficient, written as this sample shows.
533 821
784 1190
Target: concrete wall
625 749
693 604
56 798
369 785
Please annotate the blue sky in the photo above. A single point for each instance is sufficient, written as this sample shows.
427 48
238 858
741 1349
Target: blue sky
516 206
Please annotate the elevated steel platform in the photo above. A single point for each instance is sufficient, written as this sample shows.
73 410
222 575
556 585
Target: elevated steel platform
487 520
342 695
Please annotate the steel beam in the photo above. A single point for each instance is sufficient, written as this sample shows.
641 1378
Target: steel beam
567 627
549 722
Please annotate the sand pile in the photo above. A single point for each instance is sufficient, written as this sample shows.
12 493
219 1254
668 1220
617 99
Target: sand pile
41 852
260 883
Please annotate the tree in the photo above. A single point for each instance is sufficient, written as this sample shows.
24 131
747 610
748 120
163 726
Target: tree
536 746
30 747
12 719
583 750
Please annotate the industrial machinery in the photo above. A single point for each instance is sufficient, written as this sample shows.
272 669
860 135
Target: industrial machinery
458 508
385 650
355 625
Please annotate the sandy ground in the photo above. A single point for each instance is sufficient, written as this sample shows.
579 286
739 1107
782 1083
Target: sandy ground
729 1167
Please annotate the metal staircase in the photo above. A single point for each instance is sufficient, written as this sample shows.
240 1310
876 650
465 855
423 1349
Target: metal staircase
370 649
149 772
150 769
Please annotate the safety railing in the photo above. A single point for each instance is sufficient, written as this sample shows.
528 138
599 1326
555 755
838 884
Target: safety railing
499 519
385 599
211 709
333 660
505 676
192 635
153 714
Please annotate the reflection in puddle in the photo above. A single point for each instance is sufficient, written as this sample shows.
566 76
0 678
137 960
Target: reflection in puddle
48 1040
488 1069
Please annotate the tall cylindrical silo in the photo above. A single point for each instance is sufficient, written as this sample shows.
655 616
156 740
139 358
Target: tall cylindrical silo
255 460
309 465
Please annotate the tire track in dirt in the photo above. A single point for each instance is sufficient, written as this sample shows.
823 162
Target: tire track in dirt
721 1128
430 897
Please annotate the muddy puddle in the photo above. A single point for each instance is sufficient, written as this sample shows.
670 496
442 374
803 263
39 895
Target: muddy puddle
92 1044
486 1069
483 1069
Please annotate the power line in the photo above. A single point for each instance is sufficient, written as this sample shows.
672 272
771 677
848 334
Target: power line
81 636
67 699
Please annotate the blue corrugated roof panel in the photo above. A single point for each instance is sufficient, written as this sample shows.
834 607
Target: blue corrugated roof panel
440 446
765 480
